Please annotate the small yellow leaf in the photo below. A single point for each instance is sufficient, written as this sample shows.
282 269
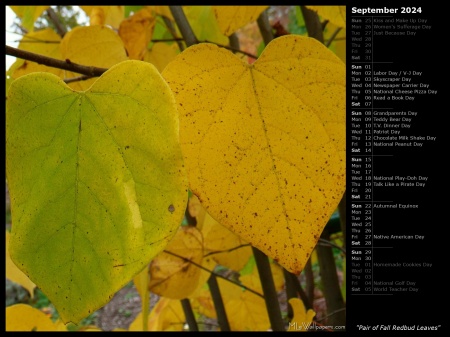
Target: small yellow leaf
97 46
231 18
264 144
302 319
136 32
197 211
23 317
203 304
161 54
44 42
223 243
335 14
229 290
172 276
15 274
162 10
209 264
245 310
166 315
253 280
105 15
28 15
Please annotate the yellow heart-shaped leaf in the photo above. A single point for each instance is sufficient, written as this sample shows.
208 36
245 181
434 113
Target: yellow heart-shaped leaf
264 144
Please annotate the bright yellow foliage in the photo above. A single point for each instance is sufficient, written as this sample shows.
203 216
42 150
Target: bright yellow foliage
105 15
218 238
23 317
302 318
264 144
335 14
171 276
136 33
253 280
166 315
231 18
97 46
161 54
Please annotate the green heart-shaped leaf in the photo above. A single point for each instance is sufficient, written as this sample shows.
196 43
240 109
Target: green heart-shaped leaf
97 182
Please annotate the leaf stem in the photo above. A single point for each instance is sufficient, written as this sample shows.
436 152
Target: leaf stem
226 250
331 39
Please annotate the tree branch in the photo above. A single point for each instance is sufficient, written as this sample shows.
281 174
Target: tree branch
189 314
270 293
312 22
265 28
51 62
183 25
234 42
172 31
59 27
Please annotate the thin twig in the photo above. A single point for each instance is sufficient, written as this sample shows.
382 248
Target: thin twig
336 32
11 32
168 40
332 313
36 41
231 48
76 79
51 62
226 250
327 243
